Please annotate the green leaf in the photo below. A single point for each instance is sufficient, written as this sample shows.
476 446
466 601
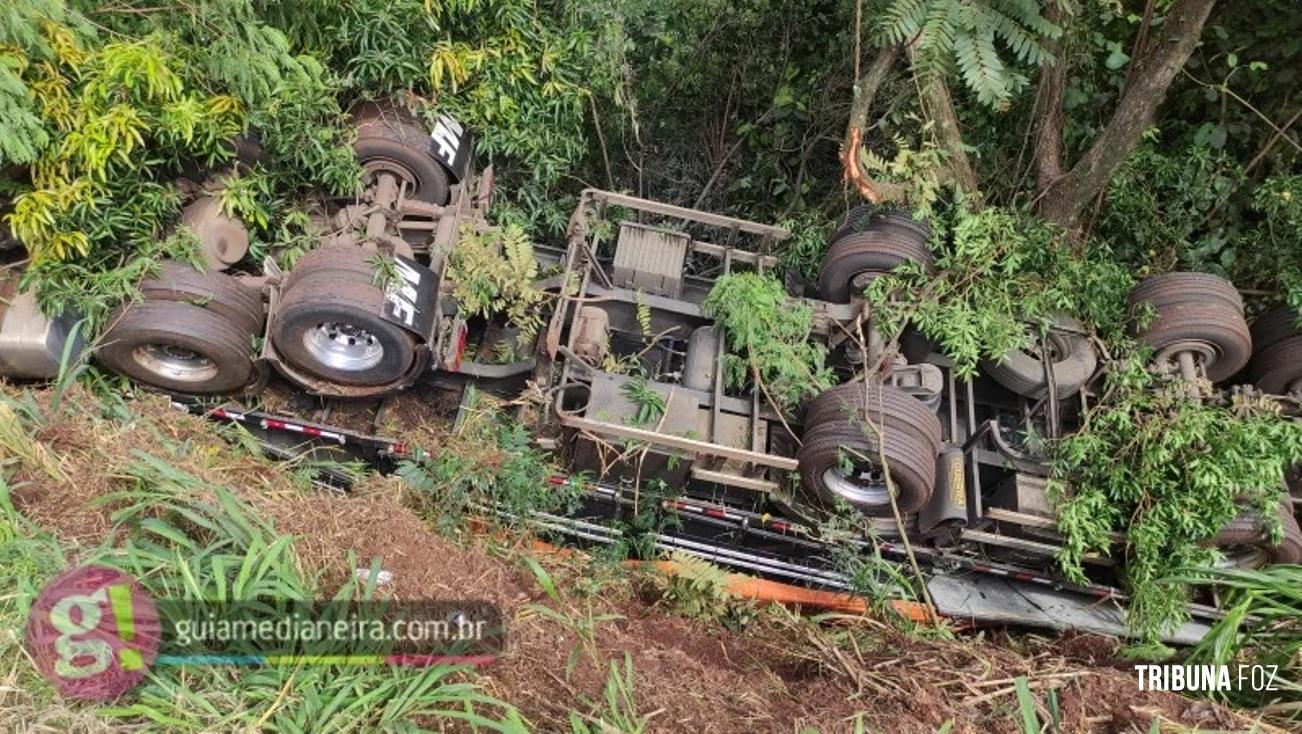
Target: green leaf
1116 58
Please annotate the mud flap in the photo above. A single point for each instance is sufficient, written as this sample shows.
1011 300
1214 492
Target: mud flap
451 145
410 298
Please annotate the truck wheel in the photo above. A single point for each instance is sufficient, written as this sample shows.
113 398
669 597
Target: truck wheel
214 291
332 328
840 455
1195 313
389 141
1071 357
352 263
886 241
1245 543
864 217
1276 367
854 220
178 347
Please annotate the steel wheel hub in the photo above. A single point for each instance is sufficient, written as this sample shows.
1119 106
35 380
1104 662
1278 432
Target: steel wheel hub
859 486
1242 556
343 347
175 362
1205 354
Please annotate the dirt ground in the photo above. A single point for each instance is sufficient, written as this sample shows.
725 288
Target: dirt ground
781 674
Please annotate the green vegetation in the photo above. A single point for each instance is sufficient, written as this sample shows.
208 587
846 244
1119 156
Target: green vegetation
181 536
768 339
495 465
950 35
619 713
493 274
1168 472
998 271
1262 626
1061 150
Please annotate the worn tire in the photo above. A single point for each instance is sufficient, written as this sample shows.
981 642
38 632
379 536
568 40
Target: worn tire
391 140
1176 288
910 442
896 409
866 217
1194 312
1247 531
853 221
211 290
1276 366
1022 372
346 262
875 250
1275 326
147 341
316 302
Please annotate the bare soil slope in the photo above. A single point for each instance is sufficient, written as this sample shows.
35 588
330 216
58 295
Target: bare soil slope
782 674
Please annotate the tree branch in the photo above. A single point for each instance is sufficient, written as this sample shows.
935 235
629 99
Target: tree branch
939 109
1049 116
1154 68
865 90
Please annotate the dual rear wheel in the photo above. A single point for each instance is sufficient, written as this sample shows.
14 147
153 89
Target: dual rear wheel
862 440
329 323
193 334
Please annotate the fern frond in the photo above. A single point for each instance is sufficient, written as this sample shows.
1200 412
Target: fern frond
903 19
967 34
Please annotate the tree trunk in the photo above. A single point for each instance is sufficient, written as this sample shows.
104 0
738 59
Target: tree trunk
1064 197
865 90
939 109
1049 113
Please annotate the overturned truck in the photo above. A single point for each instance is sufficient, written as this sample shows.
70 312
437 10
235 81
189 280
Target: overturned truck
937 466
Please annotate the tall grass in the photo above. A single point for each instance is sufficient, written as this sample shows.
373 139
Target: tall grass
184 538
1262 626
188 539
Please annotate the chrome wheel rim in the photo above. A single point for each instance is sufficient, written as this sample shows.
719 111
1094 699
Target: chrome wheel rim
861 486
343 347
175 362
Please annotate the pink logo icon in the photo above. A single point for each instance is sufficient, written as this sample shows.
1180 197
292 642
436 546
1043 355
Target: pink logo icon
93 633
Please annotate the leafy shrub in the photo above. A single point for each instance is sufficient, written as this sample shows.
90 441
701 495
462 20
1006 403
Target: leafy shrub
493 272
1167 471
962 35
1156 204
1269 254
494 467
768 339
1001 270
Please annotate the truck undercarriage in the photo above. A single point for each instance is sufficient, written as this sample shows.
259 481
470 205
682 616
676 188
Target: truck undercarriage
952 472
